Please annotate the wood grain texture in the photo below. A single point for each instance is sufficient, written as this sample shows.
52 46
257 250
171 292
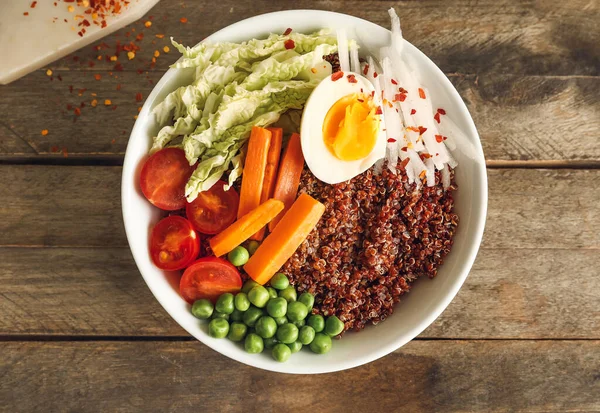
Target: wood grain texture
80 206
452 376
510 294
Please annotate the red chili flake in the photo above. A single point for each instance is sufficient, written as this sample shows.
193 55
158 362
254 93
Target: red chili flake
70 88
113 141
372 93
441 111
437 117
421 93
85 22
65 152
69 106
183 20
404 149
26 13
439 138
413 111
118 67
119 86
77 111
391 140
400 97
360 100
287 31
97 76
138 97
82 105
289 44
91 64
425 156
379 111
54 149
114 107
140 71
139 37
375 75
337 75
33 4
404 163
412 128
59 77
352 79
422 130
366 69
394 82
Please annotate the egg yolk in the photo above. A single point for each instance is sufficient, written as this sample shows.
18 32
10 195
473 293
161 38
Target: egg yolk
350 127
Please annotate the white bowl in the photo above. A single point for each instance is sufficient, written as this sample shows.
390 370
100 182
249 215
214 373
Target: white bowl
427 299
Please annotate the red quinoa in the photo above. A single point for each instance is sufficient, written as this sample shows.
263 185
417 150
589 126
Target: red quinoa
376 237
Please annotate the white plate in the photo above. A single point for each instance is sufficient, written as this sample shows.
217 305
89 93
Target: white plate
427 299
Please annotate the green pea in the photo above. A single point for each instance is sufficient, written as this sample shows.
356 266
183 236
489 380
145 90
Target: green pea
321 343
217 314
296 311
333 326
259 296
317 322
251 316
237 331
296 346
280 281
287 333
237 315
254 343
248 285
299 324
306 335
277 307
272 292
218 328
289 294
281 353
202 309
225 303
307 299
238 256
281 320
252 246
266 327
241 301
270 342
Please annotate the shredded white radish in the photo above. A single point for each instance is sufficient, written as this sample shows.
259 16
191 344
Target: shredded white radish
397 40
342 41
445 177
430 175
354 60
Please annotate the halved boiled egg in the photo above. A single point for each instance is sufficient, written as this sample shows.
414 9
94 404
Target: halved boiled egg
342 129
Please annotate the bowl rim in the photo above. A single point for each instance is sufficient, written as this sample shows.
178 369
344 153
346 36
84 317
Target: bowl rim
129 169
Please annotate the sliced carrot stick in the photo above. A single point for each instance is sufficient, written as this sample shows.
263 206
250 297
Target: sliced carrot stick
244 227
287 236
254 170
270 173
288 177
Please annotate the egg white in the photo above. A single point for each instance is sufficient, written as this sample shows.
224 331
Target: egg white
322 163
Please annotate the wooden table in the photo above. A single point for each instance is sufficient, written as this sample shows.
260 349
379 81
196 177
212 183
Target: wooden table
80 331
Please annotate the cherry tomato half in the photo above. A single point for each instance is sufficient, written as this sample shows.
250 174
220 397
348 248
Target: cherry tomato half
173 243
163 178
209 277
213 210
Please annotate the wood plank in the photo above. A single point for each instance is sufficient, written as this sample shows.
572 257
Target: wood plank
80 206
510 294
518 118
491 36
424 376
